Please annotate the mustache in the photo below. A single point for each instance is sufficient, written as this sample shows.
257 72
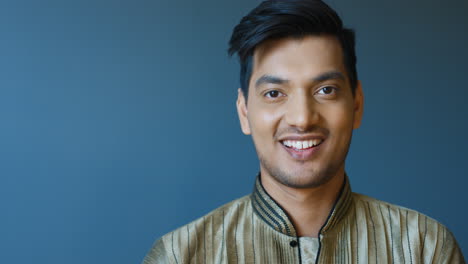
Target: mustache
300 132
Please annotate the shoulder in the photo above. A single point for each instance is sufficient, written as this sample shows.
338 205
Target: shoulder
385 210
179 242
410 225
216 218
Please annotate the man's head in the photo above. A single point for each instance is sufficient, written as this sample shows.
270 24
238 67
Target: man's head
274 19
298 71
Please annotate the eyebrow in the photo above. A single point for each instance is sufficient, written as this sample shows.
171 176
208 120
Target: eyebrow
270 79
331 75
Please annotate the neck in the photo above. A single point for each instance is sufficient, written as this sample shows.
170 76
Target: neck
308 208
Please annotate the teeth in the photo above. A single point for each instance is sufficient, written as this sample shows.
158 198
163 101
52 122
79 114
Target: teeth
302 144
298 145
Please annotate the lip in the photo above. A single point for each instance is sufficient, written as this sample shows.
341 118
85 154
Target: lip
302 138
302 154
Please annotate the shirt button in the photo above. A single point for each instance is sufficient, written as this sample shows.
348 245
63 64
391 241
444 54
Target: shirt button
293 243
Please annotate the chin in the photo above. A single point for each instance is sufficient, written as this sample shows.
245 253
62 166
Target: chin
303 176
301 179
313 180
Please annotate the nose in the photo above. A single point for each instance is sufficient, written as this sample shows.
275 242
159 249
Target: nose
302 112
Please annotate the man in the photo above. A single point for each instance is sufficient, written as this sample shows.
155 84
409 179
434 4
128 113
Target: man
300 100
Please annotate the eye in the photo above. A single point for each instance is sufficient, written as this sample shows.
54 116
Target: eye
272 94
327 90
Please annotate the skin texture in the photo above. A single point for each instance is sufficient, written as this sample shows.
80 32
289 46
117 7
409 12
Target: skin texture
307 94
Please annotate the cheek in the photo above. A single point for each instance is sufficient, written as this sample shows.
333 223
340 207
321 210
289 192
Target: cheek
340 120
263 123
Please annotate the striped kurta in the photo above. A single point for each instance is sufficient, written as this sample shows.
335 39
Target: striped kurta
359 229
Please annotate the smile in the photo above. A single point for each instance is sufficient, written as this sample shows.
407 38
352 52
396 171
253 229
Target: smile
303 144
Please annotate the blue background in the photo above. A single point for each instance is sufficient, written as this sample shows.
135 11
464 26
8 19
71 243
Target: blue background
118 119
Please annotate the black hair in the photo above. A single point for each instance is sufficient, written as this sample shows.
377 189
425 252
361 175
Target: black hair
275 19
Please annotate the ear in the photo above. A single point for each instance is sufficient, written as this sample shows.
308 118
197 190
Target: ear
358 105
242 112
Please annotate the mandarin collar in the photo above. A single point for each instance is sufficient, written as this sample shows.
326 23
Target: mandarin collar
275 216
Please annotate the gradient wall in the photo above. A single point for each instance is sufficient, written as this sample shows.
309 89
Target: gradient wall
118 119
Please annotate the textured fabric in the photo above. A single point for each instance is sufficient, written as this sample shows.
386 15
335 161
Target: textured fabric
309 249
359 229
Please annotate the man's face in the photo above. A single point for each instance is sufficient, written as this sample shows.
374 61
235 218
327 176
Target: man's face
300 111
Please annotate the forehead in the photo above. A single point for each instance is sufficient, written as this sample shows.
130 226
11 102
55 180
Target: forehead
295 58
